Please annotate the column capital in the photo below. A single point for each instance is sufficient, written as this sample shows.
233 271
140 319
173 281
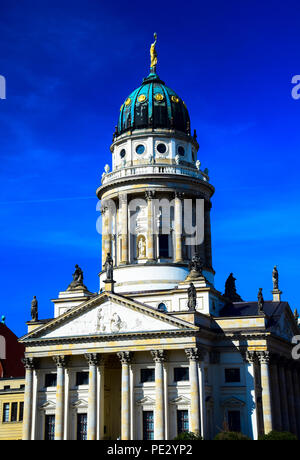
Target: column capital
30 363
60 360
264 357
179 195
158 356
249 356
125 356
150 194
194 354
93 358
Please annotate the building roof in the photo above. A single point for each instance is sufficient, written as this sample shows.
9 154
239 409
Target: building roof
153 105
235 309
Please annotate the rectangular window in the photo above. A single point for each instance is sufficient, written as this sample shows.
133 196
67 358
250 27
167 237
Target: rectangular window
163 245
182 421
232 375
148 425
50 380
14 412
82 378
234 420
49 427
21 411
5 416
147 375
81 427
181 374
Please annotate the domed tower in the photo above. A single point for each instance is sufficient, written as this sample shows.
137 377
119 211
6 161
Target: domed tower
155 196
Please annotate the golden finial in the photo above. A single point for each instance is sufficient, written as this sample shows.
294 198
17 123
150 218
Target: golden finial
153 55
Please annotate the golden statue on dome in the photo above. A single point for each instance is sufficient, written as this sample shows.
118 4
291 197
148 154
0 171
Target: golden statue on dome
153 55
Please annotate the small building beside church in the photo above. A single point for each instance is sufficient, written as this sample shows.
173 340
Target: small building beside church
158 350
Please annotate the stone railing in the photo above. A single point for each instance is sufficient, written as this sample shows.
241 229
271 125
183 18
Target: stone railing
141 170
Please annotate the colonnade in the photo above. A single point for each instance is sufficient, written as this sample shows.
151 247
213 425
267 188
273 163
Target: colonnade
95 412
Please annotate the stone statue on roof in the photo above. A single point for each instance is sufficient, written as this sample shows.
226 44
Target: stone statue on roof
192 297
275 278
260 303
230 289
77 280
34 309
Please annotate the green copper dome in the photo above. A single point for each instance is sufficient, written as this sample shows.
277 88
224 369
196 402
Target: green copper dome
153 105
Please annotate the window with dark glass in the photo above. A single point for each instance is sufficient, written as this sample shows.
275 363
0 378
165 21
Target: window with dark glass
49 427
5 416
82 378
50 380
21 411
140 149
147 375
162 307
161 148
148 425
234 420
181 151
182 421
163 245
123 153
14 412
232 375
81 427
181 374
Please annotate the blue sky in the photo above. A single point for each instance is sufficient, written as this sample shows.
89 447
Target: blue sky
70 65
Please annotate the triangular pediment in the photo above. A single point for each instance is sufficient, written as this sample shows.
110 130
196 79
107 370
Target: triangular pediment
108 314
284 324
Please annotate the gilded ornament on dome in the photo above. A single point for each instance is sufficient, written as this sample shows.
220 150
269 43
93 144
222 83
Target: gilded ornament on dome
175 99
142 98
159 97
128 102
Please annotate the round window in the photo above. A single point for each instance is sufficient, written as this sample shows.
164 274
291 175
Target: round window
181 150
140 149
122 153
161 148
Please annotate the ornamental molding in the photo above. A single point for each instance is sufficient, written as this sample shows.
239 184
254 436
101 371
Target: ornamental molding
116 323
180 400
146 401
233 402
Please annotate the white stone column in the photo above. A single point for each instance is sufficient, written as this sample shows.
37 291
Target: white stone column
125 357
159 357
150 194
276 394
166 401
201 378
178 227
297 395
291 398
93 360
264 358
250 359
60 362
283 395
100 400
106 233
123 217
67 409
29 364
193 356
